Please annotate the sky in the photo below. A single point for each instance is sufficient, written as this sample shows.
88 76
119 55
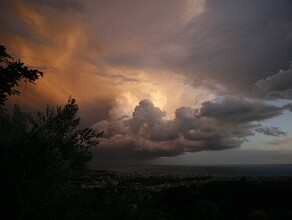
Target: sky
169 82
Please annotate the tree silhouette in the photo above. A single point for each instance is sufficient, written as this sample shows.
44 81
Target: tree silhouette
11 72
38 153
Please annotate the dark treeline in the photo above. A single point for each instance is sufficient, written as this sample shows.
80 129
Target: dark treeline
39 153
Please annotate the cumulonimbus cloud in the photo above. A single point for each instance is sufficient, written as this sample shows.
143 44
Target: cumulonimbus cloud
277 86
98 50
234 45
214 126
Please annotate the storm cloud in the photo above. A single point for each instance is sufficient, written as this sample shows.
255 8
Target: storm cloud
238 43
150 73
271 131
277 86
214 126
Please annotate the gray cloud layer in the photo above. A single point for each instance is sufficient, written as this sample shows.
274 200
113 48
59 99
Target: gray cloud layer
215 126
230 47
64 5
238 43
276 86
242 47
271 131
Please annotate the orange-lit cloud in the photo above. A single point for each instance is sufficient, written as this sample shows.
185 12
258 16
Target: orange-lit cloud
281 142
110 55
79 61
59 55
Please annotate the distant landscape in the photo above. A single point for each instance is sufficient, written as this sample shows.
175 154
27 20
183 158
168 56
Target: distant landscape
275 170
145 109
175 193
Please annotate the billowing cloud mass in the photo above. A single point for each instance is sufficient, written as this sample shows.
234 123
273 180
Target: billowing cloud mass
276 86
159 77
238 43
214 126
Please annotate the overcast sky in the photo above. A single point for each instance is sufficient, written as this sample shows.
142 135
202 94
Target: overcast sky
168 81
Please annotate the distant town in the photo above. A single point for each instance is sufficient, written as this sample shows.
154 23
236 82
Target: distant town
142 195
155 182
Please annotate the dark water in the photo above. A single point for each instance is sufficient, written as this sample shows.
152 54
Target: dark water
228 170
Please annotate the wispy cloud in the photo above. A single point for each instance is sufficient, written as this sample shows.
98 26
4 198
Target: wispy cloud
281 142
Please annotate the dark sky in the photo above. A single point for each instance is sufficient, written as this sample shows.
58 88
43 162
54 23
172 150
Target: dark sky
163 78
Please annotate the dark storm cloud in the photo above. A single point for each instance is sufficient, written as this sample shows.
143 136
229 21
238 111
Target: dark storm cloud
234 44
271 131
31 19
13 25
276 86
288 107
98 48
228 47
215 126
136 33
146 114
64 5
239 110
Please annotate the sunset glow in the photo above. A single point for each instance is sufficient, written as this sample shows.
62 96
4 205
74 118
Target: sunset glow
165 80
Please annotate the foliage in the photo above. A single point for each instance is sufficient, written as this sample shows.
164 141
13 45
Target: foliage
38 154
11 72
